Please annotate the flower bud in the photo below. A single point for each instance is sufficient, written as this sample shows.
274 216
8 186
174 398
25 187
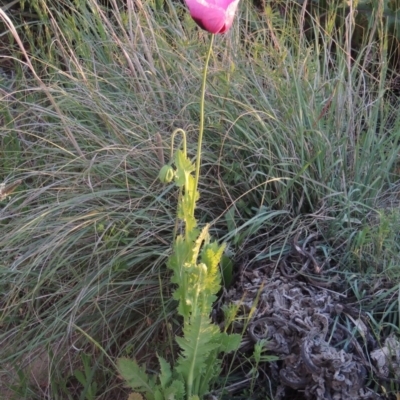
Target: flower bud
166 174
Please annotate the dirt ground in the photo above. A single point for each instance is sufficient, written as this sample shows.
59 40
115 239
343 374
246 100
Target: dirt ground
328 349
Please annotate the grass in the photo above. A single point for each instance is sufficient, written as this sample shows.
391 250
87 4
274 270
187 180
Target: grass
300 137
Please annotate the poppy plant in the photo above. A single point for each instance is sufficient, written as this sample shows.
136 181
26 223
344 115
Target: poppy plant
214 16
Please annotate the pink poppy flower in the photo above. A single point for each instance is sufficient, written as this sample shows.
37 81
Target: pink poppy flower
215 16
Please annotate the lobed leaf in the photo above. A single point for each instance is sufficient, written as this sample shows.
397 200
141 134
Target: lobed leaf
175 391
211 257
183 168
196 345
230 342
165 372
134 375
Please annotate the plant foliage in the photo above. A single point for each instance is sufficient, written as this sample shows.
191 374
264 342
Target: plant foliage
195 271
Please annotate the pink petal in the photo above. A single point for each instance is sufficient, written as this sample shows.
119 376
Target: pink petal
215 16
224 3
207 15
230 13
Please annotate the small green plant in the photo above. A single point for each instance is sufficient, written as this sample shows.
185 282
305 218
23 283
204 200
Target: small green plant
195 270
195 267
259 356
85 378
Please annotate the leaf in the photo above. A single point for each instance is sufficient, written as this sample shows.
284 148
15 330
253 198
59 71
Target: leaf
183 168
135 376
135 396
165 372
182 252
212 254
198 342
80 377
211 257
184 306
158 395
176 391
230 342
185 210
186 215
178 262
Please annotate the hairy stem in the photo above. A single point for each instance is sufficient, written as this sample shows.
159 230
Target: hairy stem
201 123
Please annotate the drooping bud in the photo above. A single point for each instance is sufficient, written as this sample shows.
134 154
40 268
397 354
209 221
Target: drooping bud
167 174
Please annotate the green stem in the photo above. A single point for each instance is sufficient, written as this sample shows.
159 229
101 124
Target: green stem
201 124
174 133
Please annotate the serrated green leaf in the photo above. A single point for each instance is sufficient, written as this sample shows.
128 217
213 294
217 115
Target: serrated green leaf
185 210
179 388
182 252
211 257
212 254
196 345
175 391
158 395
230 342
184 307
213 372
190 221
165 372
183 162
135 376
183 168
193 235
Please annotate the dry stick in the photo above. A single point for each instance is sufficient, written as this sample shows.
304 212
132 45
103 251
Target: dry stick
14 32
160 149
9 189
